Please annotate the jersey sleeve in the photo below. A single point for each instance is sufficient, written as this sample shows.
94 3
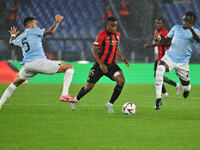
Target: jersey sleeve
171 32
17 41
99 40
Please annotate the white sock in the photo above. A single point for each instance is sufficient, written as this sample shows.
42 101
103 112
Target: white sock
187 88
159 80
67 80
177 85
8 92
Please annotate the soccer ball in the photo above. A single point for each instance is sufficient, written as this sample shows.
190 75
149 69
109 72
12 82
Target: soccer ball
129 108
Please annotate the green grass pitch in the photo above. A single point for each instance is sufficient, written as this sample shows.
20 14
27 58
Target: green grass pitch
34 119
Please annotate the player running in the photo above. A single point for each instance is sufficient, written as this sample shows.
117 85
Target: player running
34 60
105 51
160 33
181 39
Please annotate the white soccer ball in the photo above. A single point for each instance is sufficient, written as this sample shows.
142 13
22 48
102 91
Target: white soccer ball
129 108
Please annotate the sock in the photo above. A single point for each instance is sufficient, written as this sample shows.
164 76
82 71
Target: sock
116 93
67 80
187 87
8 92
159 80
81 93
167 80
164 89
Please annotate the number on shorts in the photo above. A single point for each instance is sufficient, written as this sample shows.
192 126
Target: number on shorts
27 44
188 74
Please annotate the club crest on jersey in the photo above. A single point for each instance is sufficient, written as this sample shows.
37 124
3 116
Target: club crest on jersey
117 37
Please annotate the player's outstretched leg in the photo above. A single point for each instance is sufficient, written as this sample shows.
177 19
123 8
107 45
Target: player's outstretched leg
11 88
69 71
84 90
158 83
8 92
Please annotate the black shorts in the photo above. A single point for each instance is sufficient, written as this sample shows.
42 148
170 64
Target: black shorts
95 72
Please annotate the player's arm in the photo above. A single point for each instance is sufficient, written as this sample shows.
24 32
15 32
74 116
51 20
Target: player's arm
98 60
150 45
119 52
195 35
154 43
164 42
13 33
52 29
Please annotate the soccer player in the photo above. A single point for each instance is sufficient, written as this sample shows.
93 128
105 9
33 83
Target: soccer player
181 39
34 60
159 33
105 51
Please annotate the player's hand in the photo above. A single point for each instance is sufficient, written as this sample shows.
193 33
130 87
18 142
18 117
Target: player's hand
147 45
13 31
103 68
59 18
125 61
157 43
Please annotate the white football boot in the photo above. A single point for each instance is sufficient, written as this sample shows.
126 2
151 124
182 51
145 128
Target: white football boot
73 105
109 107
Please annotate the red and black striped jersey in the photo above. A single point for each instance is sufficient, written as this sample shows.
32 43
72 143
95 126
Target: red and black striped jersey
108 45
161 49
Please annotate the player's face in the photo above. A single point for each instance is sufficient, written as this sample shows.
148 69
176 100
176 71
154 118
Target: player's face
159 24
111 26
33 24
187 20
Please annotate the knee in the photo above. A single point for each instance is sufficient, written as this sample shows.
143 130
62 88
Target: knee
121 82
159 74
66 66
160 71
69 66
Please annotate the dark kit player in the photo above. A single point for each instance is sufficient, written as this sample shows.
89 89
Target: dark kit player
105 51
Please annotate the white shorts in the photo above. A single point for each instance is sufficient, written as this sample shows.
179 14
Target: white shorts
43 66
181 69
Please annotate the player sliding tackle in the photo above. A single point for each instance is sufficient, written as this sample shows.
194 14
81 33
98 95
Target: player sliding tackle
34 60
181 39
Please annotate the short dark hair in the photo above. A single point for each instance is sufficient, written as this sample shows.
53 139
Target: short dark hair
111 19
27 20
160 18
191 14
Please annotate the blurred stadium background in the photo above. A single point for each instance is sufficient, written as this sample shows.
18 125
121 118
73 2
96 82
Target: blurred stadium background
74 38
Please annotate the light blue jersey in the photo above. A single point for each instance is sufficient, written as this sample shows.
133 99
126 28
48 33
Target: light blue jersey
31 43
182 44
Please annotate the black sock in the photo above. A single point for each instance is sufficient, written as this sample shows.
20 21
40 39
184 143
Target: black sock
164 89
167 80
116 93
81 93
